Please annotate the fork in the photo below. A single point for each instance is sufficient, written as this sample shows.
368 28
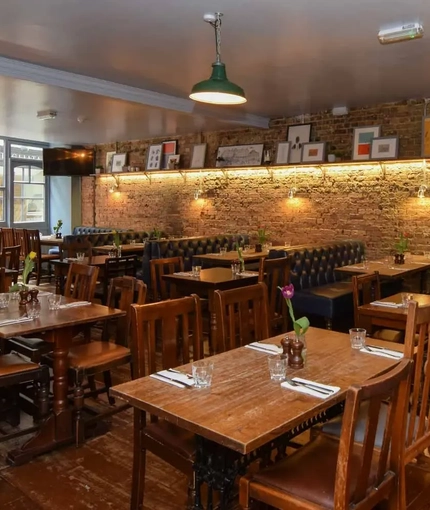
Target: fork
310 386
381 349
179 372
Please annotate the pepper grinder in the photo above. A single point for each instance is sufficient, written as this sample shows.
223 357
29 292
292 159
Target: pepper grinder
296 360
286 347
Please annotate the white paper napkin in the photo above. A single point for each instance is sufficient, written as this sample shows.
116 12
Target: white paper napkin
174 378
267 348
381 351
183 273
309 391
7 322
75 304
248 273
391 304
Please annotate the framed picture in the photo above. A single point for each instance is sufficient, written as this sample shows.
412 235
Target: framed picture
154 156
109 156
240 155
362 142
169 149
313 152
118 161
298 135
385 147
173 161
198 155
282 153
426 138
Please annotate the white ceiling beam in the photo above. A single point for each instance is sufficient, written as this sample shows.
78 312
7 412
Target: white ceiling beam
57 78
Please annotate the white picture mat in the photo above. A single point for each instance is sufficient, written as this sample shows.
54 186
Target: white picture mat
317 158
283 153
198 156
298 135
386 147
374 130
240 155
109 157
118 161
153 159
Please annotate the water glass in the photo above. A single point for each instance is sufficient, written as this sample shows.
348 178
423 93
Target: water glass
406 297
365 262
54 301
196 271
246 248
33 309
202 373
14 295
133 241
287 244
4 300
222 251
277 368
80 256
357 337
235 268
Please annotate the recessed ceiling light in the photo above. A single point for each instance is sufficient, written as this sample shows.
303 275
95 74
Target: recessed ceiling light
46 114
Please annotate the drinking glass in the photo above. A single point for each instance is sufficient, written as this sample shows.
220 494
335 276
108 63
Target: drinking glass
4 300
365 262
235 268
222 251
54 301
196 271
287 244
246 248
80 256
33 309
406 297
133 241
357 337
202 373
277 368
14 296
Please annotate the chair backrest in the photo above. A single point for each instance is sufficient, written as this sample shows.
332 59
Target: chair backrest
159 267
71 248
117 266
33 242
374 470
365 288
276 273
9 257
242 316
20 238
81 282
7 237
175 325
3 280
123 292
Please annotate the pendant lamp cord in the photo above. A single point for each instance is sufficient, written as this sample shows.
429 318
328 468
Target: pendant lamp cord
217 26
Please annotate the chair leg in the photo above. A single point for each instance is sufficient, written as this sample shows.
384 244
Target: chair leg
139 462
92 383
78 400
108 384
244 499
191 491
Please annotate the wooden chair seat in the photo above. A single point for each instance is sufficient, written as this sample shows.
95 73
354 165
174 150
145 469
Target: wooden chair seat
170 437
314 465
96 354
11 364
33 348
389 335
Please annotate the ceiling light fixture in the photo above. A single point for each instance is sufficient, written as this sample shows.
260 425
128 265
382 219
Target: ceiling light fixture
400 33
217 89
114 187
46 114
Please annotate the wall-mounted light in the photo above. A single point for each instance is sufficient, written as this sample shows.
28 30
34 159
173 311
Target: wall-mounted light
115 186
292 193
198 194
422 191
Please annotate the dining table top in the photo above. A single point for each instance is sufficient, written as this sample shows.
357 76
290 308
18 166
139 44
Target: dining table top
399 312
244 409
212 277
125 248
386 267
51 240
95 260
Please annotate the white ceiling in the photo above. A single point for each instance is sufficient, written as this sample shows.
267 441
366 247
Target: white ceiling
290 57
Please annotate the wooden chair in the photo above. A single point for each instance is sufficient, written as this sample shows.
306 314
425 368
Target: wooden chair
276 273
96 357
159 288
10 259
7 237
179 321
115 267
242 316
14 371
339 474
365 289
33 244
20 238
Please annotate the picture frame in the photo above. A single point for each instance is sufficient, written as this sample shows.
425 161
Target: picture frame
173 161
362 142
118 161
250 154
154 156
425 150
298 134
314 152
385 147
169 149
283 153
198 155
108 165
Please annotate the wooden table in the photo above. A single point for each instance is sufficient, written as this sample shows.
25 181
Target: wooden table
51 241
246 412
126 249
225 259
371 316
212 279
58 326
61 269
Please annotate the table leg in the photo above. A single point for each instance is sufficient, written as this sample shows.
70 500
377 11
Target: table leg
57 429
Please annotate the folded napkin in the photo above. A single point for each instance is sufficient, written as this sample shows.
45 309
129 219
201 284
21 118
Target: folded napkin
174 378
183 273
355 267
309 390
70 259
382 351
268 348
391 304
248 273
75 304
7 322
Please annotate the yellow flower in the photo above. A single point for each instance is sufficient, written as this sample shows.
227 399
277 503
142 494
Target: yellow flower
32 255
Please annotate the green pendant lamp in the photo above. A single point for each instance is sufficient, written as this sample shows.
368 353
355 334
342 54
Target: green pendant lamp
218 89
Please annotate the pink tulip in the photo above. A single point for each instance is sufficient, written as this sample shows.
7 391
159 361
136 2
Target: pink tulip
288 291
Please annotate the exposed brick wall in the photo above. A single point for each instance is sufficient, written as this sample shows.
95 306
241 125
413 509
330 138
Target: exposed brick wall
368 202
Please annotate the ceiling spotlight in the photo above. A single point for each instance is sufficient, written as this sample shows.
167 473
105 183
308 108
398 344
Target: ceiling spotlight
46 114
422 191
114 187
217 89
198 194
400 33
292 193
